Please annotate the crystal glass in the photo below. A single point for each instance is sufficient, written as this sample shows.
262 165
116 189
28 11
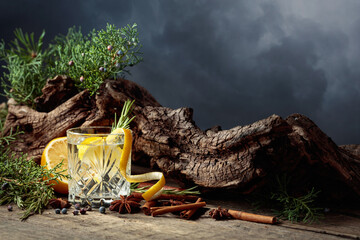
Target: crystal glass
94 160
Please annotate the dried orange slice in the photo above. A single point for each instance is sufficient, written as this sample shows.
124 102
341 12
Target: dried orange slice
54 153
156 188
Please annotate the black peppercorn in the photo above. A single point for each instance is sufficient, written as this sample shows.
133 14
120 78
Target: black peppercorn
83 211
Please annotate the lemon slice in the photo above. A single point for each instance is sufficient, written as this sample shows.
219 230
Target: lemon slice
99 155
153 191
84 146
53 154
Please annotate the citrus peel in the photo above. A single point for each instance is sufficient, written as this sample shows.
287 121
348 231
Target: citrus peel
153 191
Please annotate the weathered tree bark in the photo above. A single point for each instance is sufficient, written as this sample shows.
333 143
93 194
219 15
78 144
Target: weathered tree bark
242 158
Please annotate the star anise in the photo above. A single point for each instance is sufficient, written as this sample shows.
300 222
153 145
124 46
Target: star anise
219 213
125 204
59 203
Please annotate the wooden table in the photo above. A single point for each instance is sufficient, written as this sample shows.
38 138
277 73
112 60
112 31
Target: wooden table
113 225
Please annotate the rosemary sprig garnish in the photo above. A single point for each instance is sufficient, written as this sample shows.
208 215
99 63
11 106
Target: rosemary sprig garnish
124 120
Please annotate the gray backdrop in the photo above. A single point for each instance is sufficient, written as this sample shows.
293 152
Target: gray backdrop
233 62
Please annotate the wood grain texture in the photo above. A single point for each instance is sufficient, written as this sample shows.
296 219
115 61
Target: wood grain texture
113 225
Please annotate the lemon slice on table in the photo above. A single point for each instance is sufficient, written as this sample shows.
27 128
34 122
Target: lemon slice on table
53 154
153 191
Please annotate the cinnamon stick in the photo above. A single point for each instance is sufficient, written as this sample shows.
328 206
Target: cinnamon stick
137 195
146 184
187 214
162 210
190 198
252 217
164 207
146 207
152 209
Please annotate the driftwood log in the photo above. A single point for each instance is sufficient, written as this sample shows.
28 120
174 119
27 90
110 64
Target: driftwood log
244 158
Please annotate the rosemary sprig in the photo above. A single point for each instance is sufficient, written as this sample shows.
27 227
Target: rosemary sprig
124 120
189 191
26 74
297 209
286 205
301 208
23 181
88 59
25 46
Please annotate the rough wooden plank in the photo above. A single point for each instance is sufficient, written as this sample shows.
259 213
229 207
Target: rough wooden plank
135 226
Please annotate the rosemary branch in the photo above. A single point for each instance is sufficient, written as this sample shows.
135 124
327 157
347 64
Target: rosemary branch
88 59
301 208
189 191
124 120
23 181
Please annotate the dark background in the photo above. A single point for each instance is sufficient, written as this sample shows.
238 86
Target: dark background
233 62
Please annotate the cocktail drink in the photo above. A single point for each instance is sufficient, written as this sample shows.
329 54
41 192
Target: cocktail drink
94 155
